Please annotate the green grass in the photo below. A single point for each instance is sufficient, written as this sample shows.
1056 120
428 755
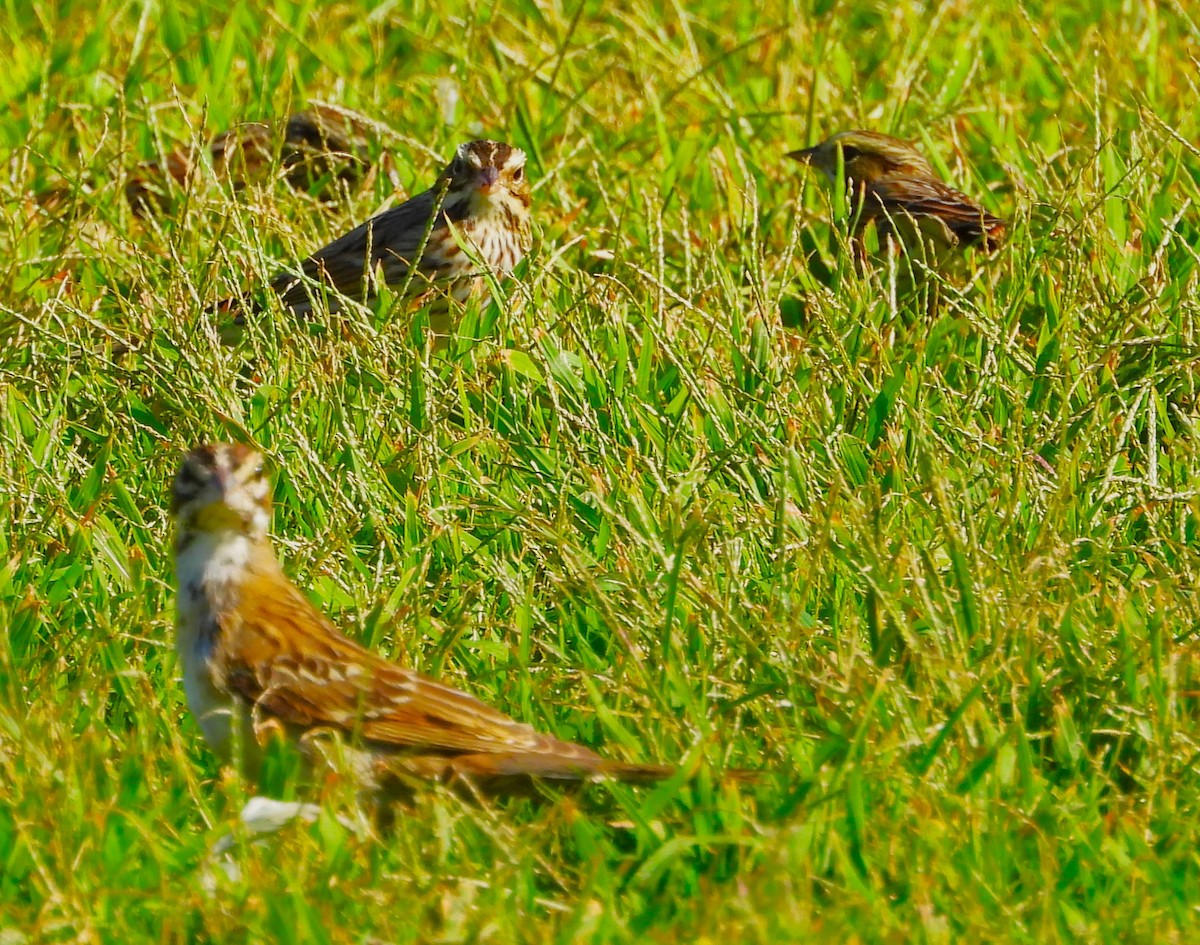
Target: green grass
697 490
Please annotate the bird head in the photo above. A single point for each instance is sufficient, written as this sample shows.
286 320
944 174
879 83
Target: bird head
866 156
222 487
487 171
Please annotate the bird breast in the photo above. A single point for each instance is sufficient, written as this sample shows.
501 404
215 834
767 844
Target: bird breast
499 229
209 569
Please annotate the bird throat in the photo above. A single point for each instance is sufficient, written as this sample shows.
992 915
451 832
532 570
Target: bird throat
210 568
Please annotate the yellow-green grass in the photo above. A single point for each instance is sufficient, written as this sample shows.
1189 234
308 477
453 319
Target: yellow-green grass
699 490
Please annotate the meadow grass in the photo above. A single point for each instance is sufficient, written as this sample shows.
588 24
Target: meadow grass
692 489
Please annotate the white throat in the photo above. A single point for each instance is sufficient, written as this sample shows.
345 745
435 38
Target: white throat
210 568
208 565
490 206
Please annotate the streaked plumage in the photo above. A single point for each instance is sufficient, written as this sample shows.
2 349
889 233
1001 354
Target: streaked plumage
258 659
314 147
482 195
896 189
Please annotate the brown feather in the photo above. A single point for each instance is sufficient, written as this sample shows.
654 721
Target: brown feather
311 147
901 195
967 222
283 656
254 648
414 248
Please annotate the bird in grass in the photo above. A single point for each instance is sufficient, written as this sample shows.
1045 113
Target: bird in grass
314 148
894 187
259 659
431 248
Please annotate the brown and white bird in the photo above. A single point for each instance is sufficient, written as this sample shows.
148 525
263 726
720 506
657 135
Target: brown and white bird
893 186
310 149
433 247
259 659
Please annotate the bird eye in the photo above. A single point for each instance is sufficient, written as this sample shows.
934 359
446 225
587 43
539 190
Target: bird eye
849 153
518 173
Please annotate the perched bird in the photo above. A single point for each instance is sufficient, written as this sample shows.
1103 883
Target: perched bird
429 248
311 148
259 659
893 186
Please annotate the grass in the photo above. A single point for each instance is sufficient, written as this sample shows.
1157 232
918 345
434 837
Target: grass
696 490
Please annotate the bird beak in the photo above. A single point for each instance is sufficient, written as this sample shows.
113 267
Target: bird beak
487 178
804 155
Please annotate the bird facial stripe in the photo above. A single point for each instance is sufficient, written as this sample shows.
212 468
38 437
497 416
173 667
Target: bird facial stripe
481 154
499 155
189 479
203 457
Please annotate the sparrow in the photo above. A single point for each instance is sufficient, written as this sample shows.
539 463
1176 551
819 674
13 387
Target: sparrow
433 247
894 187
259 660
312 148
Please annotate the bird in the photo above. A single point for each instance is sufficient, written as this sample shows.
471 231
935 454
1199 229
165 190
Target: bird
432 248
259 660
893 186
314 149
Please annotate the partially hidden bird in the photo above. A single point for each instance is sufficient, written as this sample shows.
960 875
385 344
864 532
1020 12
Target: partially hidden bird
259 660
892 186
317 149
432 248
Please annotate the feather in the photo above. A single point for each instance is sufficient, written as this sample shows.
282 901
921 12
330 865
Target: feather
254 647
962 221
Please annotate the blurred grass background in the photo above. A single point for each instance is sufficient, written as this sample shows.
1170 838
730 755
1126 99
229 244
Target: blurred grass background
695 488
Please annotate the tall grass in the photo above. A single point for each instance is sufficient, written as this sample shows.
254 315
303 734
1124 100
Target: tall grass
692 490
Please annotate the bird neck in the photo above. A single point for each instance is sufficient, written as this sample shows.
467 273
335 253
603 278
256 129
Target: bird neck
210 568
498 207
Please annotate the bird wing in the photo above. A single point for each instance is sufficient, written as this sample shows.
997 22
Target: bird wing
290 662
964 221
394 238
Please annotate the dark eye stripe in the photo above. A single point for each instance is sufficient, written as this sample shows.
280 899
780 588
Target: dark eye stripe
188 478
188 484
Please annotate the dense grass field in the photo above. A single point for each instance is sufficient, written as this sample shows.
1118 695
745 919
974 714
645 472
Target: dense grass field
693 489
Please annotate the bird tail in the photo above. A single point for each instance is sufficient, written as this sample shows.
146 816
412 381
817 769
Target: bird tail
489 766
650 774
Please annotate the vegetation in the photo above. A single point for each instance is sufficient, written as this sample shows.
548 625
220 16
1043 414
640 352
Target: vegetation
694 488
